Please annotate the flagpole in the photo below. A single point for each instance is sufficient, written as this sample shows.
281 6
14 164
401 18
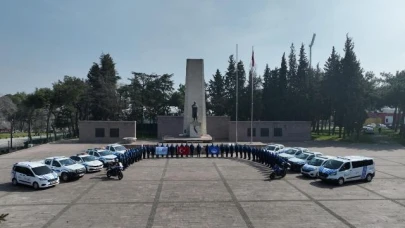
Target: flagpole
236 108
251 112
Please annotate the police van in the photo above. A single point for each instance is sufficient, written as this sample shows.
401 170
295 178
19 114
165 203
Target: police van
348 168
34 174
65 167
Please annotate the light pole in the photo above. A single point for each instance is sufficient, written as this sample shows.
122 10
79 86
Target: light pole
310 50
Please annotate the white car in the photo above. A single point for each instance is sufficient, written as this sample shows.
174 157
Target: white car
311 169
289 153
89 161
104 156
349 168
300 160
34 174
65 167
116 148
274 147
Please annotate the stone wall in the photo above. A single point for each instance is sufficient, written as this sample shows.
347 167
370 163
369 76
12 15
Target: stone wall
114 131
217 126
290 131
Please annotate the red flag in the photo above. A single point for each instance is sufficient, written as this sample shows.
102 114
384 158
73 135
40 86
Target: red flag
181 150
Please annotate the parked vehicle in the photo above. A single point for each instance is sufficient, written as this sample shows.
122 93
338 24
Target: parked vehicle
311 169
65 167
116 148
274 147
115 171
104 156
289 153
89 161
300 160
368 130
34 174
279 171
348 168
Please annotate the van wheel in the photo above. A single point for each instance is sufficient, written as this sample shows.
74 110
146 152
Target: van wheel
369 178
65 177
341 181
14 182
35 185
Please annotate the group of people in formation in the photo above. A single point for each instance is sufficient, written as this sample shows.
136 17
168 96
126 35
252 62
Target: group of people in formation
190 150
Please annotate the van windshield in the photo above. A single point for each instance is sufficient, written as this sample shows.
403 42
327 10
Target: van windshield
302 156
332 164
316 162
270 148
67 162
41 170
291 151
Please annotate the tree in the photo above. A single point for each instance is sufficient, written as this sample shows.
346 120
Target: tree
266 95
230 88
177 98
102 80
282 90
302 87
330 88
216 90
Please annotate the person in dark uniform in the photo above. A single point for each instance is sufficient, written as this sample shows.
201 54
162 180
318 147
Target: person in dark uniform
143 151
232 149
226 146
221 150
236 149
171 150
188 150
206 150
249 152
147 151
198 150
177 150
168 150
244 152
192 150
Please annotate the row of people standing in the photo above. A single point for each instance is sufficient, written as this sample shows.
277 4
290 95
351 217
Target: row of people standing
223 150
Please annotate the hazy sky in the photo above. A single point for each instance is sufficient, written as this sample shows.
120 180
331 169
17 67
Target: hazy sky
43 40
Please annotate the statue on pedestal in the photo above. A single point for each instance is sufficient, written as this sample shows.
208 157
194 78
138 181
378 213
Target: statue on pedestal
194 111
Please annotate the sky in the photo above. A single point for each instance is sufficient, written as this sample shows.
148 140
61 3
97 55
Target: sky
43 40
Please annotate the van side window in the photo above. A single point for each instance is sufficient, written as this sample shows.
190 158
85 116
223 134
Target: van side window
48 162
29 172
368 162
346 166
56 164
357 164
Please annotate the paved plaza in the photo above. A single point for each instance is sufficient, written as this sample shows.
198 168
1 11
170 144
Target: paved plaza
207 192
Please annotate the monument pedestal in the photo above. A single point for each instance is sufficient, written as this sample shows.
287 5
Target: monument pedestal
195 130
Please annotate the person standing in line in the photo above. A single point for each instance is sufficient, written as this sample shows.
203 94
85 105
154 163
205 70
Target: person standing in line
192 150
171 150
228 150
198 150
232 148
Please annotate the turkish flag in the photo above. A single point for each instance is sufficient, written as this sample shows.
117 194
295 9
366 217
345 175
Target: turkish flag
181 150
186 150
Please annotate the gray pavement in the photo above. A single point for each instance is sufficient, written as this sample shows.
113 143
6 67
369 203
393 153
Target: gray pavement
207 192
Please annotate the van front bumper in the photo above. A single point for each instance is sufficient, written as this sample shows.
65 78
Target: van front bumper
48 183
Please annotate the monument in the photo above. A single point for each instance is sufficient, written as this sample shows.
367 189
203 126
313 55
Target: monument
194 122
194 116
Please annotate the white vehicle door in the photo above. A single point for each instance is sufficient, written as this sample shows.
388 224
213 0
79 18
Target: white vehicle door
30 177
358 168
346 171
20 174
56 166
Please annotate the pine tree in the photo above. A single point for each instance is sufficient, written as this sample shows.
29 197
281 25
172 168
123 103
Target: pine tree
230 88
303 87
282 90
216 90
331 87
266 94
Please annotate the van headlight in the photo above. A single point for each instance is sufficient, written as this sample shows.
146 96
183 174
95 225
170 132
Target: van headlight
42 179
333 173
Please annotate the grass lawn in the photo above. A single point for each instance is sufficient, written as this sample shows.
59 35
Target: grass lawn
325 137
16 135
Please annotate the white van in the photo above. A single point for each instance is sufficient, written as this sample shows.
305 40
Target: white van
348 168
34 174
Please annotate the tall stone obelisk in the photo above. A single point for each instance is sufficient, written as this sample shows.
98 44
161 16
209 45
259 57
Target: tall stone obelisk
195 124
